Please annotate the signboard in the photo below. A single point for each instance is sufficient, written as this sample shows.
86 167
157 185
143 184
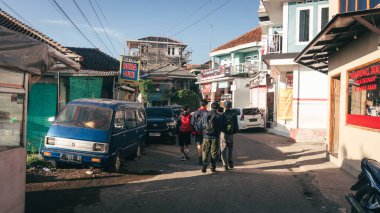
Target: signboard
260 80
264 44
129 71
285 105
223 85
221 71
289 80
206 88
364 79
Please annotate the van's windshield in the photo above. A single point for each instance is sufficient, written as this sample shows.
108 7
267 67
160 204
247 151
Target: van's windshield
85 116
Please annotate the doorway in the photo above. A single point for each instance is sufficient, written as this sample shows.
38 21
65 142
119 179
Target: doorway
334 115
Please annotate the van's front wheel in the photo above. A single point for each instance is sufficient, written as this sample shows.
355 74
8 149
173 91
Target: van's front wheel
116 163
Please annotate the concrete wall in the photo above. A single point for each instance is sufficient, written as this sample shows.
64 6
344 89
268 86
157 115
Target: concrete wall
355 142
241 96
292 24
12 180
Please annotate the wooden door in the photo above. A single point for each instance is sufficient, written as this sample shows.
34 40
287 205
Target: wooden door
334 115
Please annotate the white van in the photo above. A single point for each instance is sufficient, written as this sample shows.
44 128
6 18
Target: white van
250 117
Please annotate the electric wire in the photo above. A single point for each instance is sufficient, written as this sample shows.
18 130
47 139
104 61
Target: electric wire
188 16
15 12
89 23
54 2
200 19
106 20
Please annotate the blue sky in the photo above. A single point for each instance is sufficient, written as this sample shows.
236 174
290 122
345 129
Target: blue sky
131 20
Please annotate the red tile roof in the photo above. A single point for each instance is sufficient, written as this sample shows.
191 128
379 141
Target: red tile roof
251 36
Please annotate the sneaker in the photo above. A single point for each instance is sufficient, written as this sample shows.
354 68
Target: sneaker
225 167
231 164
183 158
187 156
212 170
204 168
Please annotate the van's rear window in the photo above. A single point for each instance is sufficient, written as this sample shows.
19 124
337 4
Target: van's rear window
158 112
85 116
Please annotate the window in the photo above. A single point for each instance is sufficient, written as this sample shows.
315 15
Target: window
304 25
373 3
140 115
119 119
363 107
343 4
168 50
130 119
354 5
173 51
324 16
11 115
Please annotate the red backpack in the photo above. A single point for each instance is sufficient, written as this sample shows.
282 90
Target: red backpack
185 124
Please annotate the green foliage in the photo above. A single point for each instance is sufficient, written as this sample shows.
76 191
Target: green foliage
187 97
35 160
146 87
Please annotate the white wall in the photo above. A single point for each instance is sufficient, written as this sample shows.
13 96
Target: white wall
241 96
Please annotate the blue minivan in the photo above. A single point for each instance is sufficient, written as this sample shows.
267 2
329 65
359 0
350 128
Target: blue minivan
96 132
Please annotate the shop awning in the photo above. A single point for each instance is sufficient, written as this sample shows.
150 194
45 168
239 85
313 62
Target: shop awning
339 32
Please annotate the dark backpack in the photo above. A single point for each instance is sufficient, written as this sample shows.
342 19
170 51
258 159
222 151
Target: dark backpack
198 117
229 123
210 124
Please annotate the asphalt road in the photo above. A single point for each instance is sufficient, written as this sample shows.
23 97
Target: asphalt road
260 182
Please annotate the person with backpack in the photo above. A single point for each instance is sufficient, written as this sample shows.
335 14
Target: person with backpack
226 137
184 135
196 123
212 125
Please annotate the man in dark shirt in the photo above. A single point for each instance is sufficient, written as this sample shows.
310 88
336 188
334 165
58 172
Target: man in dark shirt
213 123
227 135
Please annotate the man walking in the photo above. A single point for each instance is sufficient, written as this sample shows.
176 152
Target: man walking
226 137
196 123
184 135
212 125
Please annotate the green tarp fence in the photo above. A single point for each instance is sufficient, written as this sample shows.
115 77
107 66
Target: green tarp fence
85 87
42 105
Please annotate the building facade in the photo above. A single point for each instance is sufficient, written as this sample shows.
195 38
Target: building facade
299 93
233 65
347 50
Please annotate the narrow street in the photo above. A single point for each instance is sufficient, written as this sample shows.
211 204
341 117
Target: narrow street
264 180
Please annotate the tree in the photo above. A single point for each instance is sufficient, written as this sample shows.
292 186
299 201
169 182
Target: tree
146 87
187 97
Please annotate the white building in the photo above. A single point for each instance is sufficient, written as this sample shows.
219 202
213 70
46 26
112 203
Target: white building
300 93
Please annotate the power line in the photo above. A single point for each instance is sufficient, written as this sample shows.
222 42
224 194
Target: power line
101 24
200 19
188 16
101 11
15 12
71 21
89 23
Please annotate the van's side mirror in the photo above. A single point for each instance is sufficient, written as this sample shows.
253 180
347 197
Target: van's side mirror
51 119
118 126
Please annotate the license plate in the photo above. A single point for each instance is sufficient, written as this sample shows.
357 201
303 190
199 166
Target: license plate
155 134
70 157
253 120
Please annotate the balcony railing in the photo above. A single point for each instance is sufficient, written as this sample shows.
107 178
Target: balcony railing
274 43
248 69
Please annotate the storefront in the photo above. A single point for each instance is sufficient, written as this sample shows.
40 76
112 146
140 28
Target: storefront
351 61
218 85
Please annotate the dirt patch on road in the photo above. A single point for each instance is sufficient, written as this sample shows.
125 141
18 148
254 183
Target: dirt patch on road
38 179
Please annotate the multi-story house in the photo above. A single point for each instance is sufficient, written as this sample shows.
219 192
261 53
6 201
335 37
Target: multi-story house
300 93
233 64
157 52
347 51
163 59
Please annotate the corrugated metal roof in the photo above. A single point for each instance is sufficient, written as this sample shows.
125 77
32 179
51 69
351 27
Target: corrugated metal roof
83 73
94 59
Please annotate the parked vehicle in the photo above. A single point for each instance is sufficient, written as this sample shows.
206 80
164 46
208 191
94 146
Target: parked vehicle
161 123
97 132
367 195
177 109
250 117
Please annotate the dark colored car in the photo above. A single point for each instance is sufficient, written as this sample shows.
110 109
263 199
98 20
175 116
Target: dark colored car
177 109
161 123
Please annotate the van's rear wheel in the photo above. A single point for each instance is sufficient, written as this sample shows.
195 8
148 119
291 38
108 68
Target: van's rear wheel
116 163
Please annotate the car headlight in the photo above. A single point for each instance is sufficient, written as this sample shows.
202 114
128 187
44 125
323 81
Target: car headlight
99 147
50 141
171 124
